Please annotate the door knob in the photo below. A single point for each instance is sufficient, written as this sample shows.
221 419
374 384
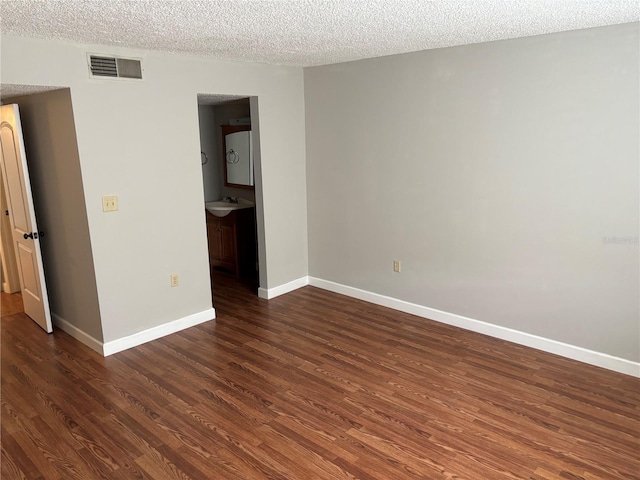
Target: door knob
33 235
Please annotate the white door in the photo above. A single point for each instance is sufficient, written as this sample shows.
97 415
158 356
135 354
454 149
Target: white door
26 236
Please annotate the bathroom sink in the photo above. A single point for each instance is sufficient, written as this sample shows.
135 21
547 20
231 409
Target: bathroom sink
222 208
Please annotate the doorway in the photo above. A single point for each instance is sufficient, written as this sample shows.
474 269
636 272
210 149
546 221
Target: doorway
51 145
26 236
233 207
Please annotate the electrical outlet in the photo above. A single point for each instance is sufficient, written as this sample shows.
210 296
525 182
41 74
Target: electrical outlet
396 265
110 203
174 279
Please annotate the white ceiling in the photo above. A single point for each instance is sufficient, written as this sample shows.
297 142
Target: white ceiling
303 32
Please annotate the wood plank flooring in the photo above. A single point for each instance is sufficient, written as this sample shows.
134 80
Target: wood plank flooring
310 385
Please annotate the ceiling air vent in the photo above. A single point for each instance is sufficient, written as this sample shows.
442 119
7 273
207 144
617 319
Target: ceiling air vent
106 66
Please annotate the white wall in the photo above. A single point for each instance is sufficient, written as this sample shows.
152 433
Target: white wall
54 169
139 140
208 145
494 172
10 276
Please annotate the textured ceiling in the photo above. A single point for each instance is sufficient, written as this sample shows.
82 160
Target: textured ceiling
303 32
214 99
8 91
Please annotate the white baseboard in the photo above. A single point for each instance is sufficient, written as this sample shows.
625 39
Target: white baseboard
76 333
115 346
580 354
540 343
269 293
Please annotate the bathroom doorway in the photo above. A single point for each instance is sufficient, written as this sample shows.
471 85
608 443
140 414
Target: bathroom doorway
233 207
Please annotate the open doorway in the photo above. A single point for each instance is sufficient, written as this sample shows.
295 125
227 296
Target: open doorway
52 153
25 233
230 156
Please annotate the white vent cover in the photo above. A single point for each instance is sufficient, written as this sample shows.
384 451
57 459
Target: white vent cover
114 67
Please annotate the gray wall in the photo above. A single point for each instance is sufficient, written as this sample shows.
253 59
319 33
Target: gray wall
210 171
139 140
497 173
54 168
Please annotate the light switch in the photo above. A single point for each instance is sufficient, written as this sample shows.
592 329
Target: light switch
110 203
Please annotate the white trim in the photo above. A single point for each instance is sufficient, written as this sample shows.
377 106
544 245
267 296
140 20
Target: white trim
76 333
115 346
580 354
269 293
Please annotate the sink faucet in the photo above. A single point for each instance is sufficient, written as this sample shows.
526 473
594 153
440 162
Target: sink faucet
230 199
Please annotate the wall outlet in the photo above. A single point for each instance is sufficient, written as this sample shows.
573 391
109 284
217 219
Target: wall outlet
396 265
110 203
174 279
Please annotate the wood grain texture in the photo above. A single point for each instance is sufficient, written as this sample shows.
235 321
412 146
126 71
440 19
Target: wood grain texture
309 385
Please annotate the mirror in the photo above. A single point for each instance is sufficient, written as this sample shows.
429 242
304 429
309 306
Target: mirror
237 148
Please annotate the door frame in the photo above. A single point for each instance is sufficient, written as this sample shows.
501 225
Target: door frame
257 175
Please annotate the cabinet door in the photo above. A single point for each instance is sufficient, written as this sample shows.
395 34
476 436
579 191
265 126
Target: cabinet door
228 243
215 243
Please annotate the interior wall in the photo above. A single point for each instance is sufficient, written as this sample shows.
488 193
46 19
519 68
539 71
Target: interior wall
56 181
208 145
139 140
10 275
503 175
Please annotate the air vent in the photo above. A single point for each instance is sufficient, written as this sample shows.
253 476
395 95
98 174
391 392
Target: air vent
114 67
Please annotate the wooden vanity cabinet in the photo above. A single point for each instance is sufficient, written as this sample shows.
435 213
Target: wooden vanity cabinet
232 241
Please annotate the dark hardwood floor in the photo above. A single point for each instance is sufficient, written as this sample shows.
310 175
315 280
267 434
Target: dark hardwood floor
310 385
